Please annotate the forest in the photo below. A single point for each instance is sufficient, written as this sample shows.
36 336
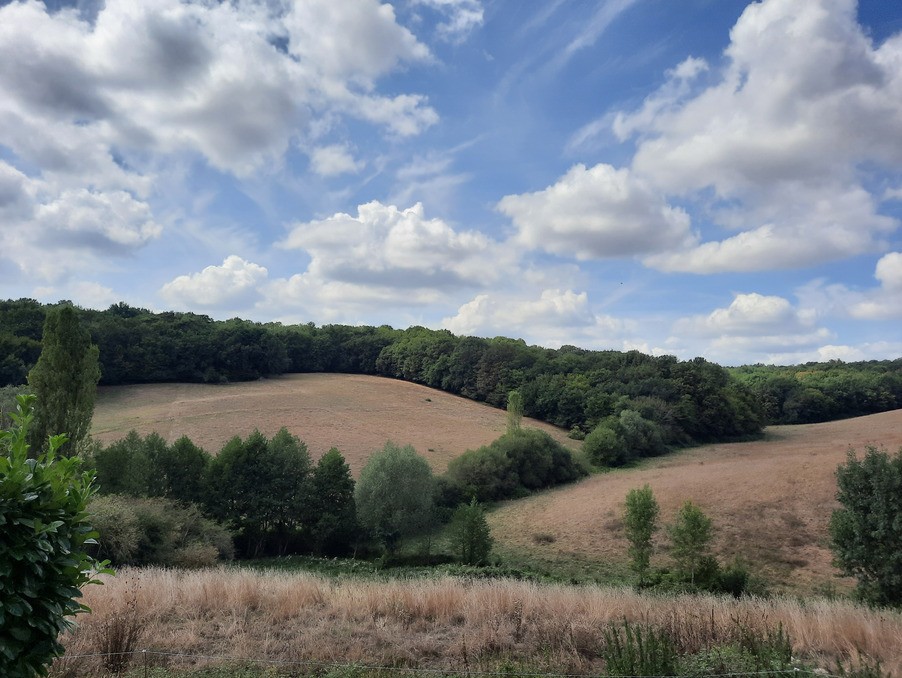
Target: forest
691 401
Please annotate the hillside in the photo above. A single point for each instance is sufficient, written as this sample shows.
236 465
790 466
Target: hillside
770 499
355 413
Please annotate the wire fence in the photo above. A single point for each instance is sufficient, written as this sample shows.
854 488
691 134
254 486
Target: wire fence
146 660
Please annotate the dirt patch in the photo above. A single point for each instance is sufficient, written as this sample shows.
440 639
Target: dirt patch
770 500
355 413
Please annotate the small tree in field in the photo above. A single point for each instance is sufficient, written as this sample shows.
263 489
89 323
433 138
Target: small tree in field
866 532
471 539
640 520
43 563
691 536
514 411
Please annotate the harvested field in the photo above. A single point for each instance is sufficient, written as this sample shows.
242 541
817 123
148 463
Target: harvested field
355 413
770 500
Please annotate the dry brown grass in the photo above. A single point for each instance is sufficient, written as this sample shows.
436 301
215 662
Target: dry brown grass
355 413
770 501
451 623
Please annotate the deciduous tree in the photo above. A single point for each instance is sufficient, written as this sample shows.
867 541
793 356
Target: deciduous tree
866 532
641 522
691 537
395 495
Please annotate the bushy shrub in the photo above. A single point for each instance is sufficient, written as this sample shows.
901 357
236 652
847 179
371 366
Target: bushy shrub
518 462
157 531
618 440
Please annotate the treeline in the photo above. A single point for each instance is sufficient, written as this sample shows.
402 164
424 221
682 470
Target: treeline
178 505
814 392
691 401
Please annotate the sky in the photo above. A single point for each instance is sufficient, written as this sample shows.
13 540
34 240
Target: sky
711 178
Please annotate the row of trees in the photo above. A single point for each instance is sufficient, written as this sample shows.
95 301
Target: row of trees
691 401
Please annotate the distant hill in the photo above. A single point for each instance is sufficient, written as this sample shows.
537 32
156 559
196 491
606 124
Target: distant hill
355 413
770 500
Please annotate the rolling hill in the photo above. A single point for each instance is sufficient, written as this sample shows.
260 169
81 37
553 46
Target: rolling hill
355 413
770 499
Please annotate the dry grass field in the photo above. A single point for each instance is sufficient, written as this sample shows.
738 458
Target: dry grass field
355 413
450 624
770 500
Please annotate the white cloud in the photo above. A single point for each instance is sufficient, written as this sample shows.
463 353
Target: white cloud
883 302
748 315
597 213
330 161
384 246
556 317
803 105
234 285
462 17
753 327
50 233
169 76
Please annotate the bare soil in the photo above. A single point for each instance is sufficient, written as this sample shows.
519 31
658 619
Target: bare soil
355 413
770 500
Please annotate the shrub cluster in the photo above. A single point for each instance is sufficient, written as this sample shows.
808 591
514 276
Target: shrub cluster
517 463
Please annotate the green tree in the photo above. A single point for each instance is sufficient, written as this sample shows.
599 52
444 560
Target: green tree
260 488
604 446
470 536
395 495
691 537
333 497
866 532
44 529
514 411
640 520
64 380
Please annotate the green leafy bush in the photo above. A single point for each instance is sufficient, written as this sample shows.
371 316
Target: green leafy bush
44 531
513 465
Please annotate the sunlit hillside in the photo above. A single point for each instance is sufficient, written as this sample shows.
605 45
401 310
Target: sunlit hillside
355 413
770 499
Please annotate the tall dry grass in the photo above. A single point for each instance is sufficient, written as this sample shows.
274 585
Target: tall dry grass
450 623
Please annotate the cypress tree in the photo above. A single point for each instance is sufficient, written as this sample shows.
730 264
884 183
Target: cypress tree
64 381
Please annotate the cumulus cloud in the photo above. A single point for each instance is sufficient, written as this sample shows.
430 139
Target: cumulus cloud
753 325
883 302
234 285
96 100
804 103
402 249
554 318
48 232
597 213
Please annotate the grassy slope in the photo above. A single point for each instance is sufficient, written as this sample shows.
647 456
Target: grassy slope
355 413
770 499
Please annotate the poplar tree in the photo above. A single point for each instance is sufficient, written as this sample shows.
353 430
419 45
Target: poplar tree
64 381
640 520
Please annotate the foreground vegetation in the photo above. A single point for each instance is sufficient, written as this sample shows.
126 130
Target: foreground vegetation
462 625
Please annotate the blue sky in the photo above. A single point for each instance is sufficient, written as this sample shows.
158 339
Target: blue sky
691 177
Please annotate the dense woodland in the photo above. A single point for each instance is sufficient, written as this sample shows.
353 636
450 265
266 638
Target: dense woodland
691 401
